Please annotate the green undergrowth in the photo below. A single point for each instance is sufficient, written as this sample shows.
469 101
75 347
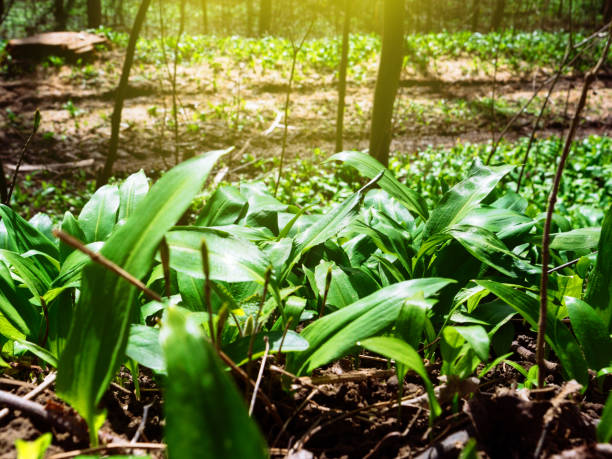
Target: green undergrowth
437 259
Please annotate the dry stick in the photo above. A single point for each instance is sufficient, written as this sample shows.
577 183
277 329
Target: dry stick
565 265
256 324
26 406
259 375
50 379
101 260
143 423
296 50
108 448
7 195
588 81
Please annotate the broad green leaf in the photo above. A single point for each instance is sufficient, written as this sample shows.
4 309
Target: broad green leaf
23 237
43 223
131 192
604 428
238 350
225 207
599 289
39 352
503 222
99 334
230 259
341 291
411 320
369 167
463 198
143 346
403 353
99 215
591 332
205 414
335 334
477 338
71 270
578 239
485 246
33 449
21 315
558 335
34 278
70 225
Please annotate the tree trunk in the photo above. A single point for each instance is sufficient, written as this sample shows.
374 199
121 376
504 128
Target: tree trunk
498 14
475 15
94 13
607 11
265 16
204 4
342 75
60 15
121 92
387 82
250 14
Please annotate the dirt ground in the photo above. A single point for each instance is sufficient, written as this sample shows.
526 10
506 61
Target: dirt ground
243 107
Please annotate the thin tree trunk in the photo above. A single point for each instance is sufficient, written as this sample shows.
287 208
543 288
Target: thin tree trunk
475 15
265 16
342 75
94 13
121 92
59 13
498 14
387 82
250 15
204 4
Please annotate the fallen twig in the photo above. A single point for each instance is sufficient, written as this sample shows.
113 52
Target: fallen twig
259 376
108 448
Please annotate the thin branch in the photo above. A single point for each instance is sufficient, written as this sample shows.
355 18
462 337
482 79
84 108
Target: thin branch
50 379
7 198
589 78
259 375
101 260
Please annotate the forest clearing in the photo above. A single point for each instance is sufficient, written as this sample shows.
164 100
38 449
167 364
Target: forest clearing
318 229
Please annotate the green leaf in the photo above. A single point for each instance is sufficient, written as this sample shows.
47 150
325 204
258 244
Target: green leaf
230 259
100 328
239 349
403 353
604 428
33 449
225 207
485 246
341 292
39 352
463 198
70 225
131 192
558 335
578 239
144 347
411 320
33 277
99 215
591 332
335 334
369 167
22 316
503 222
599 290
205 415
477 338
23 237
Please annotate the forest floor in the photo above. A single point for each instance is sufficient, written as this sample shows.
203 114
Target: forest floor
223 103
345 410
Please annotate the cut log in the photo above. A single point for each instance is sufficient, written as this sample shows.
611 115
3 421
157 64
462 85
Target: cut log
69 45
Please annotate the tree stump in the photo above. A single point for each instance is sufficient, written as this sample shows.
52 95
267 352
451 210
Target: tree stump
69 45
